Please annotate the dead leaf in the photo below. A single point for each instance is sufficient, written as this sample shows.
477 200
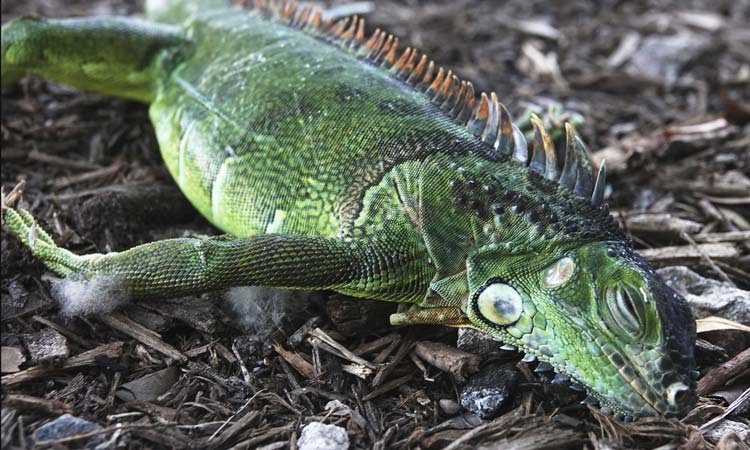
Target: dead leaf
714 323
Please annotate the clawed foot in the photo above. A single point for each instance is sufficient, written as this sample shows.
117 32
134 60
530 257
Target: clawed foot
554 115
21 223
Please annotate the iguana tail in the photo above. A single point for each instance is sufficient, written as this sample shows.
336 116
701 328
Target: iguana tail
179 11
116 56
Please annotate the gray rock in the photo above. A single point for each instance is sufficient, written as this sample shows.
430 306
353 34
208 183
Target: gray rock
449 406
726 427
490 390
663 57
46 346
68 425
477 342
708 297
319 436
148 387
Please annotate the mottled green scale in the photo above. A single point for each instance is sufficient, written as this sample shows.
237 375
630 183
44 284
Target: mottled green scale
283 133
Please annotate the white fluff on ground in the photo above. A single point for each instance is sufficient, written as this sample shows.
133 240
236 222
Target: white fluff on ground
97 295
261 310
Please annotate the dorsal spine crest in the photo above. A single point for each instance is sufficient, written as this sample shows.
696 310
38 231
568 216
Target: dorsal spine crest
488 119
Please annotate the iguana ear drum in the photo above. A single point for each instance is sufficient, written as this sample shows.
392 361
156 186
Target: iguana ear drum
559 272
500 303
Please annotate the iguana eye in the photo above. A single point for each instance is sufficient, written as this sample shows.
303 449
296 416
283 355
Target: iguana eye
500 303
627 308
559 272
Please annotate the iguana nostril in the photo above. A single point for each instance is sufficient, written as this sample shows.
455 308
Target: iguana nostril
679 394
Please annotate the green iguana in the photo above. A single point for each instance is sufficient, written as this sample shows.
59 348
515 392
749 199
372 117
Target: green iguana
340 161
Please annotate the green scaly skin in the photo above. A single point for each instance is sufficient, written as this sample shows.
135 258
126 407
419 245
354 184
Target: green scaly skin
327 172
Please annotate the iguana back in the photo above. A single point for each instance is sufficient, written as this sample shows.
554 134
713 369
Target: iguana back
267 128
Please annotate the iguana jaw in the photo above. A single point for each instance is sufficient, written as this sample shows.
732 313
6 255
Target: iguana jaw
641 393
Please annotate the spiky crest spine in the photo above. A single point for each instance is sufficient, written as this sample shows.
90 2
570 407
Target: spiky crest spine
488 119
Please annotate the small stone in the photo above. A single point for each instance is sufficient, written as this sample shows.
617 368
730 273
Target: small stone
46 346
726 427
489 391
449 406
319 436
68 425
708 297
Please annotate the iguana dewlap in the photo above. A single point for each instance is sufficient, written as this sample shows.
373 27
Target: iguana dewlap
340 160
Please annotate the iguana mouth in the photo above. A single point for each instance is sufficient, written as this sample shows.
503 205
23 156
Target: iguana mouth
647 395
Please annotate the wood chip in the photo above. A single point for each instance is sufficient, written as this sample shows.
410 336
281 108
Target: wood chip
46 346
625 49
237 427
717 377
64 331
300 364
271 433
730 236
103 174
357 370
660 223
339 350
376 344
163 413
387 387
142 334
385 371
714 323
689 254
36 405
459 364
150 386
89 358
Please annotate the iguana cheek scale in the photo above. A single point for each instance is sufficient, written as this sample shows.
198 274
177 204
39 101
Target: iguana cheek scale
343 161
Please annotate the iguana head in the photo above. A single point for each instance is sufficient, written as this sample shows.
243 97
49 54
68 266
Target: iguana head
547 269
599 314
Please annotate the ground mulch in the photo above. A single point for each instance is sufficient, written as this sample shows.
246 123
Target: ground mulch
664 86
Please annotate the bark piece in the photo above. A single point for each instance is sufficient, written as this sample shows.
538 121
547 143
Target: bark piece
457 363
89 358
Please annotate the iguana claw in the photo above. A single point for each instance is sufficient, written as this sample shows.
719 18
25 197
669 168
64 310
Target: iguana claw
22 224
13 197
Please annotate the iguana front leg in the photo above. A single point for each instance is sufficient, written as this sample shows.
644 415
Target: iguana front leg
177 267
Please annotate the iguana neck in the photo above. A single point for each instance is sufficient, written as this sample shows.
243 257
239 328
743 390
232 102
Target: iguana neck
473 203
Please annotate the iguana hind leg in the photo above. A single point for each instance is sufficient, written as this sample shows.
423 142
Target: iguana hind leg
177 267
